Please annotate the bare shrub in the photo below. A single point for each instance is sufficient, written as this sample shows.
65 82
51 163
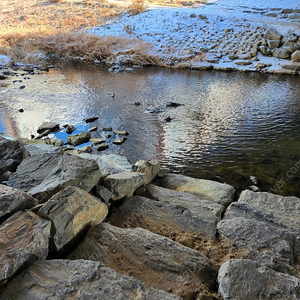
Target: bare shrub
136 7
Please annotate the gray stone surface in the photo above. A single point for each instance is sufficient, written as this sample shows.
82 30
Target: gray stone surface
198 207
24 237
272 44
12 153
13 200
44 175
220 193
150 168
162 218
242 279
78 139
281 53
110 163
71 211
155 260
296 56
272 34
124 184
78 279
41 148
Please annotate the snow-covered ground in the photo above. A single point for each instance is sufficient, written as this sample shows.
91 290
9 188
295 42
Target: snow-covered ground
221 30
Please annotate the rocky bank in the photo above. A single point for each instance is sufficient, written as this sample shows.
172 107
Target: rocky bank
94 226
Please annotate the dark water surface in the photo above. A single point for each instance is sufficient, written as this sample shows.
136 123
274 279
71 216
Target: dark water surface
231 126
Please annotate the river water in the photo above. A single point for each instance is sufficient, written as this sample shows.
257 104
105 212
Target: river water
230 126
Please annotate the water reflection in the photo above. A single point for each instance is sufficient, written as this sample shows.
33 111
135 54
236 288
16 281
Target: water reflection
231 126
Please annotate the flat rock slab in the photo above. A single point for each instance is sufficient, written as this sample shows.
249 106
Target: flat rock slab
201 208
24 237
124 184
71 211
220 193
242 279
162 218
12 152
44 175
110 163
155 260
51 126
78 279
13 200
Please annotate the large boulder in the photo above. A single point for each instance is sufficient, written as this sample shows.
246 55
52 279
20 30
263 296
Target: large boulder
150 168
281 53
124 184
270 245
13 200
110 163
162 218
24 237
71 211
78 279
198 207
242 279
12 152
44 175
47 126
220 193
151 258
272 34
296 56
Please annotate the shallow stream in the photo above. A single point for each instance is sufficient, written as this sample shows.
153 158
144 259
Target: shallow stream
230 126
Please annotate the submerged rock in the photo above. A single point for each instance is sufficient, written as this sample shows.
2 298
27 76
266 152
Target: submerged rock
151 258
24 238
85 279
71 211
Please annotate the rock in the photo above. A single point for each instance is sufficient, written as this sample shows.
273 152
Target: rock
13 200
243 63
281 53
162 218
85 149
55 142
286 11
110 163
242 279
290 37
121 132
93 129
107 129
293 66
24 238
207 210
268 244
271 14
70 129
220 193
48 126
272 44
91 119
102 147
150 168
272 34
291 46
124 184
265 50
97 141
44 175
168 119
294 16
40 148
78 139
12 152
151 258
104 194
173 104
72 211
60 279
254 179
296 56
120 141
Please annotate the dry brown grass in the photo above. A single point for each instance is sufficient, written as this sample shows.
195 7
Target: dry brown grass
136 6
